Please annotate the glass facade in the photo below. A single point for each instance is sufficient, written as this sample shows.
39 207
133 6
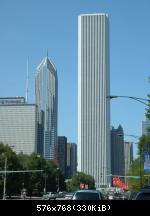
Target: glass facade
46 86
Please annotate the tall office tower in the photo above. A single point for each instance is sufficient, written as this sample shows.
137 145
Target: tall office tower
93 107
117 151
128 152
18 124
46 90
62 153
68 174
71 159
146 127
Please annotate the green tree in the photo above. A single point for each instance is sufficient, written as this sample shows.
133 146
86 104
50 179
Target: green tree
51 176
34 181
38 182
137 167
13 180
134 172
80 178
55 177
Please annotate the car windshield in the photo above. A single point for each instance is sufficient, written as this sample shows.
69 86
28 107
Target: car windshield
86 196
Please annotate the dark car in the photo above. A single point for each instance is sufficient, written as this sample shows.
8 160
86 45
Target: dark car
133 195
87 195
144 194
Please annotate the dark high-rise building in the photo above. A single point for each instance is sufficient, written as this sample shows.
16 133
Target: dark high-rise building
62 153
71 159
46 90
117 151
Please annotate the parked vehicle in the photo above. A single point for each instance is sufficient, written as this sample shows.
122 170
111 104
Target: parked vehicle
87 195
68 196
132 195
144 194
50 195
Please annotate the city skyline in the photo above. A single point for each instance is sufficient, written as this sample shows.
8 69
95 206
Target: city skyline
26 30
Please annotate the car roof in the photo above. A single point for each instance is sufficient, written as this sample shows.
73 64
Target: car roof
145 189
89 191
142 194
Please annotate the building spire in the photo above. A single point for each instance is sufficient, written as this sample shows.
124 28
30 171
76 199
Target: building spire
47 53
27 80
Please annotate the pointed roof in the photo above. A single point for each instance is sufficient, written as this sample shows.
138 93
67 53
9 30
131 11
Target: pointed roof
46 61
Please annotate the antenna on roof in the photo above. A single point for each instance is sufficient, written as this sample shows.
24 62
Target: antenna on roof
47 53
27 80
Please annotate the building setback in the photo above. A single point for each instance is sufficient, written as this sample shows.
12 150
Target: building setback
93 106
46 90
18 124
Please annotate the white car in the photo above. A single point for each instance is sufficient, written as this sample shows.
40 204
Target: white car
87 195
50 195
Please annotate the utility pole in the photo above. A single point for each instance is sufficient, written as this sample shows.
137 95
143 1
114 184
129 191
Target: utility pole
45 178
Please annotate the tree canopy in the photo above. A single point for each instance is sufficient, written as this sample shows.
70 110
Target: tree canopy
80 178
137 167
48 179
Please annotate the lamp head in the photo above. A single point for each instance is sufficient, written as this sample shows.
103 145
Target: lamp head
111 96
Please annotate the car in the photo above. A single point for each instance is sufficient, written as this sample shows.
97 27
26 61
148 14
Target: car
50 195
111 196
87 195
61 194
132 195
68 196
144 194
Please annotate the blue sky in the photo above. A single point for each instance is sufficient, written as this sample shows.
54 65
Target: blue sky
30 27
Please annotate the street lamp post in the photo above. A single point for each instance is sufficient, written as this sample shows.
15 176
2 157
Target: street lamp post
5 176
141 100
140 155
57 180
45 178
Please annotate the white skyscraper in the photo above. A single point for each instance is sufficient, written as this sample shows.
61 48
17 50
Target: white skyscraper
93 107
